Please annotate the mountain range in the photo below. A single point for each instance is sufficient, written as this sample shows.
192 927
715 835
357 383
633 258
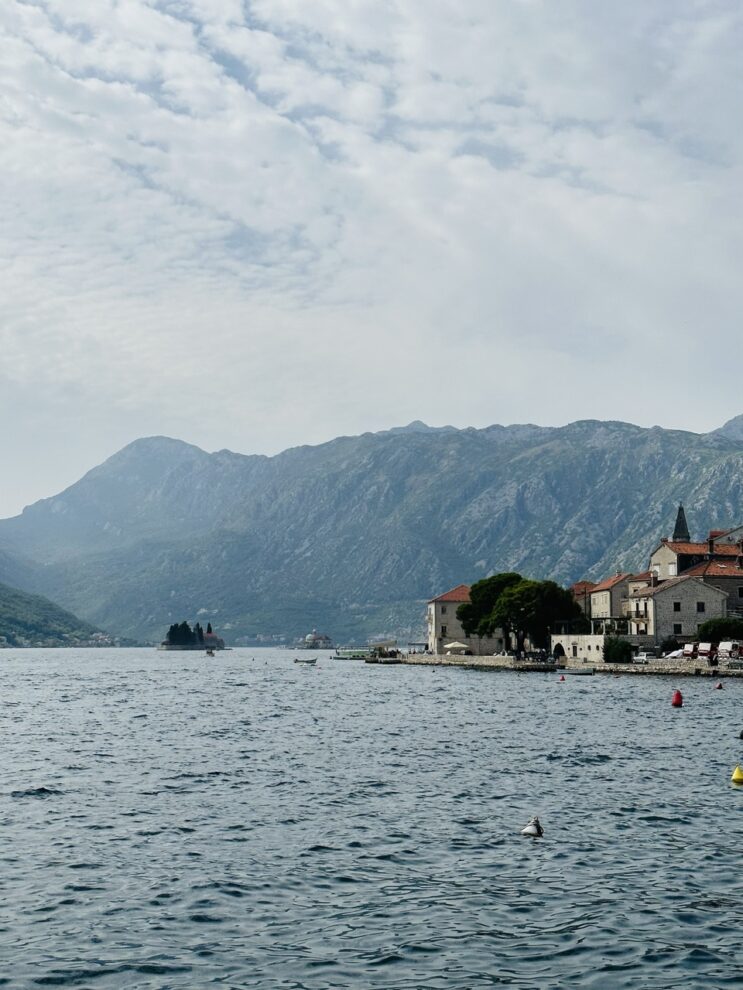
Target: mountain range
353 536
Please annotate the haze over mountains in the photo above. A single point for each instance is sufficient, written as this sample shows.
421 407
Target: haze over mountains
353 536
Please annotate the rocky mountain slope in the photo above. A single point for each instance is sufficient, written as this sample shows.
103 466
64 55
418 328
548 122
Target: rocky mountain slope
354 535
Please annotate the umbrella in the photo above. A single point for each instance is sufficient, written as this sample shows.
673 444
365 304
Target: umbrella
456 646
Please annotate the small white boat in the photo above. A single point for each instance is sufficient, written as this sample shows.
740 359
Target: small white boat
307 661
585 671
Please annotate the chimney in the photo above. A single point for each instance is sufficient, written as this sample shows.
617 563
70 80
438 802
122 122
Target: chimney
653 579
711 546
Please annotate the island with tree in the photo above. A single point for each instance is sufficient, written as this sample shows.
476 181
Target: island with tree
181 636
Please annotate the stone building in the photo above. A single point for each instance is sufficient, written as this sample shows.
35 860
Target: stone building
607 597
674 609
444 626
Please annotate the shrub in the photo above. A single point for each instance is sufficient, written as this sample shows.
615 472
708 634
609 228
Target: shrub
617 650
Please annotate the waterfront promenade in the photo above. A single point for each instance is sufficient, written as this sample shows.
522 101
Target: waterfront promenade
675 667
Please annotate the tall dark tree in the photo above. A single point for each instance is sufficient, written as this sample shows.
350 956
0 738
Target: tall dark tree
476 614
532 608
209 627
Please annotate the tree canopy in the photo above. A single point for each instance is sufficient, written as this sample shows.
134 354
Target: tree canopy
532 608
517 605
617 650
183 635
714 630
475 615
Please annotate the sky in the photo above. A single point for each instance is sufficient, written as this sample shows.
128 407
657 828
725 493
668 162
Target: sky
256 224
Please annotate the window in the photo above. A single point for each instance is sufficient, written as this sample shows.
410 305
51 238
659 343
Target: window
443 609
740 592
700 606
672 570
443 630
677 629
677 606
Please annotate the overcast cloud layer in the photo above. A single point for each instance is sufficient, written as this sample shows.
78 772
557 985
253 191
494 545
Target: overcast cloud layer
259 224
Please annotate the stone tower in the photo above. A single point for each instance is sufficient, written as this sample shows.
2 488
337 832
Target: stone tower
681 530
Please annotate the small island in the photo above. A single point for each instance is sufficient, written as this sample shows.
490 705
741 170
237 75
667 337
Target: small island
181 636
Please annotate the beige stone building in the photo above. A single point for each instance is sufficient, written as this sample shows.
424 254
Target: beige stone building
444 626
674 609
607 597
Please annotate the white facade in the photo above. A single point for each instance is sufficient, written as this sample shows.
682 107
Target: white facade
588 648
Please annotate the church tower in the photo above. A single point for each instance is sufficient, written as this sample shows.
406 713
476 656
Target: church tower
681 530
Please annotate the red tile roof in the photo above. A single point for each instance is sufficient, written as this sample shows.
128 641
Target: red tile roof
687 548
645 576
581 587
459 594
716 568
609 583
721 549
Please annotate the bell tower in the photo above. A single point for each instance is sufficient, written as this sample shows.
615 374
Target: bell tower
681 530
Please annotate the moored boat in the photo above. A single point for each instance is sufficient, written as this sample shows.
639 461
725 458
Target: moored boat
354 652
586 671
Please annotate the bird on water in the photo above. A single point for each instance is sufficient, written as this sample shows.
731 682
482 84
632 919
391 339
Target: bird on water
533 828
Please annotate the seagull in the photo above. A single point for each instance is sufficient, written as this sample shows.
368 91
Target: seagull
533 828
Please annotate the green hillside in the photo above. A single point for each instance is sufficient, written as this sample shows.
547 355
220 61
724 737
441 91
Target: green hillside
30 620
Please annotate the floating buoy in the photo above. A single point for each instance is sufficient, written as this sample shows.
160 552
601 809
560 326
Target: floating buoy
562 678
737 777
535 829
718 686
677 701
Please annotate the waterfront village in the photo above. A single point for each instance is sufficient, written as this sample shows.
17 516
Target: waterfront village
658 612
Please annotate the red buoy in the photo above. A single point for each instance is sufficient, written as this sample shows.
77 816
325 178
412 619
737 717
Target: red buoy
562 677
718 686
677 701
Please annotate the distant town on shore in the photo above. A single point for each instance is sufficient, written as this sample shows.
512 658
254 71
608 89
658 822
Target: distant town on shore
691 590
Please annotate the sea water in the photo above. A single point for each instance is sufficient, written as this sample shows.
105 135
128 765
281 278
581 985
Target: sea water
172 820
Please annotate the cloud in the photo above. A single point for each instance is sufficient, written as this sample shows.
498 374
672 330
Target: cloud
236 220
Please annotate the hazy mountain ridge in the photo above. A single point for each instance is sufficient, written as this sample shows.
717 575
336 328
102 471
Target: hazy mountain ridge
355 534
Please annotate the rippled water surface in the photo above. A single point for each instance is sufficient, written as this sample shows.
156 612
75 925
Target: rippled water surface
170 820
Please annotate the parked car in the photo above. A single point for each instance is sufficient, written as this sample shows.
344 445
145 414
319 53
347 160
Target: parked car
643 658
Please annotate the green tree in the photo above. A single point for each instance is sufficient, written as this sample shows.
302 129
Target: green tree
715 630
617 650
475 615
532 608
